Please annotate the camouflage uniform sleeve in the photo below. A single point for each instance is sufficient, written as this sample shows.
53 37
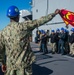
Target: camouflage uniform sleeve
2 50
35 23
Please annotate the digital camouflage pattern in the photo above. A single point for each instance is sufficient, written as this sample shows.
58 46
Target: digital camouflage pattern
15 44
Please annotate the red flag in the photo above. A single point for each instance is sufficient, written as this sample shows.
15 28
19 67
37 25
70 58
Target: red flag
67 16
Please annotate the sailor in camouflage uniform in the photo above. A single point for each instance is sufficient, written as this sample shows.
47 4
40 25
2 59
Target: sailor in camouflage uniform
15 44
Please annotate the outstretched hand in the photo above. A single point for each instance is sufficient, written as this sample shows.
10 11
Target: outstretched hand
57 11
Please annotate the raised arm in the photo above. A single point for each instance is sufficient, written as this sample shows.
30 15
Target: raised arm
35 23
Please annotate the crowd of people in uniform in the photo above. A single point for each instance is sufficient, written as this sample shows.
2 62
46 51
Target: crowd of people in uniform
61 41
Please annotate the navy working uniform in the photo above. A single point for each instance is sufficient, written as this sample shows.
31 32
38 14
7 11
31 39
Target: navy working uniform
61 41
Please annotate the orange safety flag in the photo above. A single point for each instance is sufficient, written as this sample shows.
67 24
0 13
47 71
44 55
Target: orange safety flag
67 16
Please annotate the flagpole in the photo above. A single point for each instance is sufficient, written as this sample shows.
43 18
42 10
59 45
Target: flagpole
55 23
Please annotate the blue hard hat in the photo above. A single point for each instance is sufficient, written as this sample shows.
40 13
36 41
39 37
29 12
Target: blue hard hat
44 32
65 30
52 31
57 29
72 29
62 28
12 11
41 31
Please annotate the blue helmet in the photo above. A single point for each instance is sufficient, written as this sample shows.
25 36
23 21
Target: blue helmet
44 32
41 31
12 11
65 30
62 28
72 29
52 31
57 29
